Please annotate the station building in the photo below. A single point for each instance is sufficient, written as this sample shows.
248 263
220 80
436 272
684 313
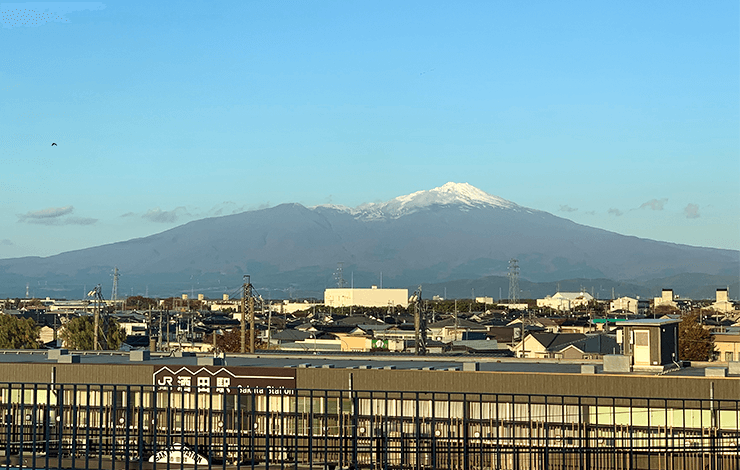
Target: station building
372 411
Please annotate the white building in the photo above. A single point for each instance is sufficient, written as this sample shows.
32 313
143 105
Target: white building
564 301
723 303
629 304
666 298
372 297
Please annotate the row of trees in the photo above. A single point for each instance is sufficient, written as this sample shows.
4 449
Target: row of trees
78 333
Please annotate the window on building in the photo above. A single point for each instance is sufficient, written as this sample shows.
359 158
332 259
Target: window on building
728 356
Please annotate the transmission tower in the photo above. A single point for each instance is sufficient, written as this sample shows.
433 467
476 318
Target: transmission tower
339 276
513 280
114 294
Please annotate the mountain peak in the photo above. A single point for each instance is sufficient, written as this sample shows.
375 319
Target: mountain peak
450 194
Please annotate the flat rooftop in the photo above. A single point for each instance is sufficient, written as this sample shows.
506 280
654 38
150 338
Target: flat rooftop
344 361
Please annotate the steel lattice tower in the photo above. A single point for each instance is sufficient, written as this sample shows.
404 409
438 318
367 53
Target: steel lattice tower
339 276
114 294
513 280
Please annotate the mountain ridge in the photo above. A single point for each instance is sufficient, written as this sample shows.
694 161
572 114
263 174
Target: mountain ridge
447 233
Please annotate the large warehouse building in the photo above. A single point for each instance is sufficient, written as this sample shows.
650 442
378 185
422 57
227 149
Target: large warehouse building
372 297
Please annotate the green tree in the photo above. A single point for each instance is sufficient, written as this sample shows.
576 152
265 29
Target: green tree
79 334
18 333
138 302
661 310
695 343
231 341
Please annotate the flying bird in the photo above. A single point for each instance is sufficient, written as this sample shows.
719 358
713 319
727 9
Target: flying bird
53 144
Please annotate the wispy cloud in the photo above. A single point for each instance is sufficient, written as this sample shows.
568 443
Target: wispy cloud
567 208
614 211
77 221
35 14
48 213
54 216
654 204
226 207
6 242
165 217
128 214
691 211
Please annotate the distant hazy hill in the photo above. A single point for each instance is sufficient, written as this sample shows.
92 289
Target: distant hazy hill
447 233
691 286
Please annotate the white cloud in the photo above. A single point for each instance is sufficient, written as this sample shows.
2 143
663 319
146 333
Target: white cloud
48 213
567 208
691 211
54 216
164 217
654 204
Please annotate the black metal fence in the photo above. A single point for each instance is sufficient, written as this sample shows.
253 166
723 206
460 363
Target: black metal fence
102 426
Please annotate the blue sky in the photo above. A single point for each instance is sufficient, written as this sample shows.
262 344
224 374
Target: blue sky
618 115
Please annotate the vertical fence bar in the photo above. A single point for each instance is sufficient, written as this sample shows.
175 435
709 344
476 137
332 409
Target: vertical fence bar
47 425
60 424
253 428
34 424
239 430
140 428
127 424
7 421
21 427
268 430
210 424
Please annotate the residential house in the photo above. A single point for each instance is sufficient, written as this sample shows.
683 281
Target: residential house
545 345
633 305
727 346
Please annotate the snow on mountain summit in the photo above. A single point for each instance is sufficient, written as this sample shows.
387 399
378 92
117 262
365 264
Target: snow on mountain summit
451 194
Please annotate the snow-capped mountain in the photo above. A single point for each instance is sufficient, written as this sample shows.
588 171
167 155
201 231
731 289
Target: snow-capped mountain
452 232
462 195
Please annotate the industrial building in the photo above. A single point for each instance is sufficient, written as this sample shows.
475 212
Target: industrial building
372 297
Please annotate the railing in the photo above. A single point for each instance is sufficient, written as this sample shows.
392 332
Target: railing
103 426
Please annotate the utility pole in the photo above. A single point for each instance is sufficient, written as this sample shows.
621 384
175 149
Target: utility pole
247 297
243 320
420 325
99 304
251 319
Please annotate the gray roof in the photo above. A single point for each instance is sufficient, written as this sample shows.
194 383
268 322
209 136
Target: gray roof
553 341
650 322
597 344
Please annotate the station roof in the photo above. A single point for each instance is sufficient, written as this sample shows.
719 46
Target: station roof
339 361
